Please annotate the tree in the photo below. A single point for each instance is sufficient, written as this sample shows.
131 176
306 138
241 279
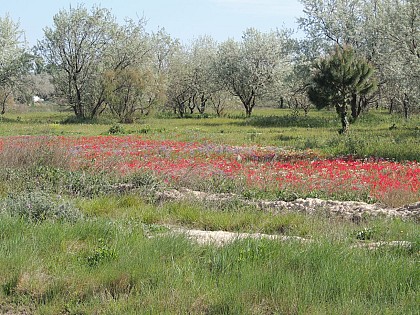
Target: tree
205 85
339 79
399 51
77 46
292 89
248 68
132 82
180 87
15 60
385 32
129 91
192 79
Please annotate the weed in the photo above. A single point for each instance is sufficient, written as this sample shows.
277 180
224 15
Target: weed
102 253
145 130
366 234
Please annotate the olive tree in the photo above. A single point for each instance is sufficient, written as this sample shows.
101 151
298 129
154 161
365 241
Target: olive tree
192 80
180 82
399 51
14 59
205 86
249 68
132 81
77 46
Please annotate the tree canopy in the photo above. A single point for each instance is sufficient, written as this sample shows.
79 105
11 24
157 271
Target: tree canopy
98 64
338 79
15 60
249 68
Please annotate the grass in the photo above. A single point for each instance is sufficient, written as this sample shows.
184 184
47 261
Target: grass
100 249
375 134
46 268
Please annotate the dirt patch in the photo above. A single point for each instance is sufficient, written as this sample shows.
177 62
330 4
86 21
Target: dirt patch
221 238
351 210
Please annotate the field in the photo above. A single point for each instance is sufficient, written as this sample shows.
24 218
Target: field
90 214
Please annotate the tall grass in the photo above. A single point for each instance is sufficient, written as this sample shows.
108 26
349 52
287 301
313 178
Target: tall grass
46 268
32 152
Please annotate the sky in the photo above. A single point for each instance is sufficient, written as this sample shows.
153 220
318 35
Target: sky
182 19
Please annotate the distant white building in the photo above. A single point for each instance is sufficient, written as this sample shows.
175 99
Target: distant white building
37 99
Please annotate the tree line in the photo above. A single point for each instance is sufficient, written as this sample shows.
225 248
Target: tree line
355 54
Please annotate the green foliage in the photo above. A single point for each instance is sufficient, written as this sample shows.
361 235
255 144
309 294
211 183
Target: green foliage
38 206
339 76
101 254
116 130
339 79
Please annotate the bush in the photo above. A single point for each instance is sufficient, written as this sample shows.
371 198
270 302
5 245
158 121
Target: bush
116 130
39 206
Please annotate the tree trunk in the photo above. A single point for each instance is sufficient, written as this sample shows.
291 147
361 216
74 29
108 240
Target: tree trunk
250 106
391 106
362 104
191 104
4 101
353 103
406 105
343 117
202 107
3 109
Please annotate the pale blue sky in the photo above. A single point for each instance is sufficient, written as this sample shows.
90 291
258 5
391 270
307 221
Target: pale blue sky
183 19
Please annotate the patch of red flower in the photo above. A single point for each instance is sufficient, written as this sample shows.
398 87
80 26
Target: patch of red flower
260 168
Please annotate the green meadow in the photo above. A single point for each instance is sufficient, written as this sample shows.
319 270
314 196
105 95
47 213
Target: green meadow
72 249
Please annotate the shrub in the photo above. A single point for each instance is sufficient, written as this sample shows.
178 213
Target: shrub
116 130
38 206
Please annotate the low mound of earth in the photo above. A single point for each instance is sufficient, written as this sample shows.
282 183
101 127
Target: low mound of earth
221 238
350 210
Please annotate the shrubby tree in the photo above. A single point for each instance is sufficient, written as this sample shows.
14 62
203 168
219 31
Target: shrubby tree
249 68
15 60
126 92
339 79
